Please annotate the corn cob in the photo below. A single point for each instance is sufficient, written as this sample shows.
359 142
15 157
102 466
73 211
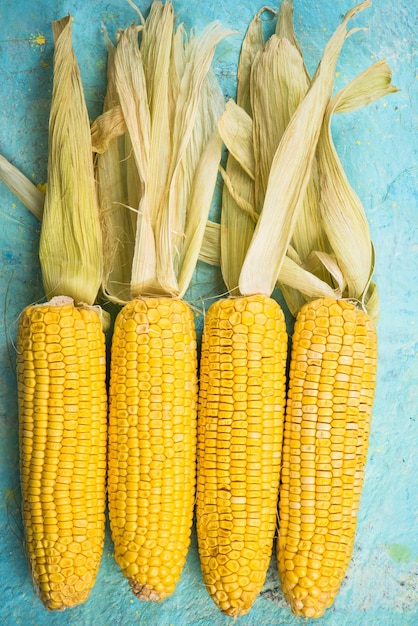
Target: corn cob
152 442
153 370
241 407
61 362
241 401
332 371
259 177
331 389
61 369
240 428
332 376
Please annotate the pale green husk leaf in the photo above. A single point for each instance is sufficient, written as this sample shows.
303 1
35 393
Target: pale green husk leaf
71 241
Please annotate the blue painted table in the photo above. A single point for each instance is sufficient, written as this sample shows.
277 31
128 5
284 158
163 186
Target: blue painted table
379 149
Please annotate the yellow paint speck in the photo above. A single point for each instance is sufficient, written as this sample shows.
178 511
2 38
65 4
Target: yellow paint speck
38 40
385 104
131 601
394 204
337 74
358 142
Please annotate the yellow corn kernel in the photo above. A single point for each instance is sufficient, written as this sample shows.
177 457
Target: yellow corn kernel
62 471
346 392
239 446
152 442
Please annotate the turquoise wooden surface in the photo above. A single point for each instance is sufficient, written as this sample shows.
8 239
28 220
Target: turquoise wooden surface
379 150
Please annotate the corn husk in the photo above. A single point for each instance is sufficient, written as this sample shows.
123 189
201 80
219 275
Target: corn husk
308 233
236 129
33 199
23 188
71 241
299 279
118 219
285 28
289 174
198 106
340 210
278 85
194 165
210 251
170 102
342 213
238 216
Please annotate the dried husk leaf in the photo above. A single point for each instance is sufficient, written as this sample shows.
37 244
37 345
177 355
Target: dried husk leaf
278 85
285 29
373 83
317 259
156 46
170 102
23 188
198 209
188 118
204 148
289 174
236 129
252 44
308 234
342 212
365 88
71 241
235 193
108 126
177 65
132 91
210 250
237 223
118 219
300 278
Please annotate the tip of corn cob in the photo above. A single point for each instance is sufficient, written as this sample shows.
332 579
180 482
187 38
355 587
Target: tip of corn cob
145 592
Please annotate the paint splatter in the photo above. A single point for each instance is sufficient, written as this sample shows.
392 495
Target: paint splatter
38 40
399 553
